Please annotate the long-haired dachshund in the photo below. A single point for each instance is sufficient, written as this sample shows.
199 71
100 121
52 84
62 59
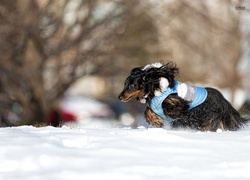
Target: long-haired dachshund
182 105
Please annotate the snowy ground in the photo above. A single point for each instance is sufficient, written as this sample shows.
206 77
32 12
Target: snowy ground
29 153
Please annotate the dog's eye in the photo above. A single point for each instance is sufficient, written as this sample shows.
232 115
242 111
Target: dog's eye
131 86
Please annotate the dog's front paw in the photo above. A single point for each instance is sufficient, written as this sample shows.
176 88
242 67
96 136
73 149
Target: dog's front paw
158 122
153 119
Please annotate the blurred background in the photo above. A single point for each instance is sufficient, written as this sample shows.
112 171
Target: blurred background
66 61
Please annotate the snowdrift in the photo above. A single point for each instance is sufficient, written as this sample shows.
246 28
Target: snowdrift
115 154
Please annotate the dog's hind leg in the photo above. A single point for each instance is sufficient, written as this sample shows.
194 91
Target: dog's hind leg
153 119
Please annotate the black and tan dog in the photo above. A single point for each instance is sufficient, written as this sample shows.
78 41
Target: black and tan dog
182 105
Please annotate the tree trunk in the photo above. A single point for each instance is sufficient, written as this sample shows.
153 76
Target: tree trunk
33 113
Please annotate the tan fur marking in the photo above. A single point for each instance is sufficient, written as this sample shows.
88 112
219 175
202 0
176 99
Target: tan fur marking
221 124
153 119
172 101
128 96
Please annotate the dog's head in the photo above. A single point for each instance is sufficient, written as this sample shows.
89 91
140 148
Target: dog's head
145 82
134 85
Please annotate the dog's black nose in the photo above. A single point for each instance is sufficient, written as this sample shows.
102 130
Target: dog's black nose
120 97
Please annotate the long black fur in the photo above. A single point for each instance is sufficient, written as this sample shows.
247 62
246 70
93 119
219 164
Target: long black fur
214 113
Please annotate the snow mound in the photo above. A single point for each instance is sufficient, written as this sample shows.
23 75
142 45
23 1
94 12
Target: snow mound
27 152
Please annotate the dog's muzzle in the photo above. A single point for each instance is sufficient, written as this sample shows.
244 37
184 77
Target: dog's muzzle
120 97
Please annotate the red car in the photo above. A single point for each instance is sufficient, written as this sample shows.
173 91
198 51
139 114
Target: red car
78 109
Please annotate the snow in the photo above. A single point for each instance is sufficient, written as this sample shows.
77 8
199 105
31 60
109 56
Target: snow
30 153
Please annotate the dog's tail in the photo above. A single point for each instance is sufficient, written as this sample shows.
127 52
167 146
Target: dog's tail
245 121
232 118
245 114
228 117
236 121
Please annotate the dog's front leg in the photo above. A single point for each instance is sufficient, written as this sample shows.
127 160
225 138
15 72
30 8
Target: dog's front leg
153 119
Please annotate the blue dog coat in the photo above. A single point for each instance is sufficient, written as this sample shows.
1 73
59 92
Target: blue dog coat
194 94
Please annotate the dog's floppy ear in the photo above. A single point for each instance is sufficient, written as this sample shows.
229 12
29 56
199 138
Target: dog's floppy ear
171 68
169 71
